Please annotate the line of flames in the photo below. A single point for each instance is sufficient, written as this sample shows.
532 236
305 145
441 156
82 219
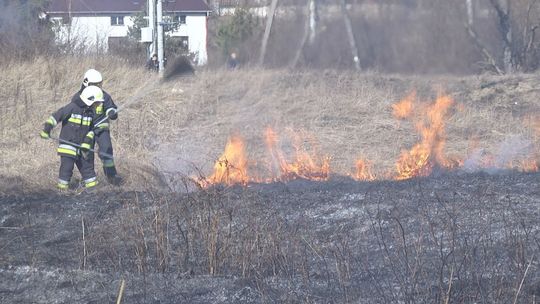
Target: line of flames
232 166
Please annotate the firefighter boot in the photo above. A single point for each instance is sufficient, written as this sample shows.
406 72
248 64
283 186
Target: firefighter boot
112 176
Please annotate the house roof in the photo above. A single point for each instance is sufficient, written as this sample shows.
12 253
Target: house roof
122 6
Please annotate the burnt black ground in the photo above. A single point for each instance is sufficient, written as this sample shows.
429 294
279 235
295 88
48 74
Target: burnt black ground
468 238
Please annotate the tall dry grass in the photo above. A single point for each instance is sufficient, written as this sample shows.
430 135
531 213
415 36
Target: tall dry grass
179 128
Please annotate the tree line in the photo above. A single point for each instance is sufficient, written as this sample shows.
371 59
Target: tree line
452 36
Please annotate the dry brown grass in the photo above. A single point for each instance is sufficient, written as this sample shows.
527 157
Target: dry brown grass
183 125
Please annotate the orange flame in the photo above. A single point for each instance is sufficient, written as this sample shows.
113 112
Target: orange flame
533 165
363 171
404 108
304 165
533 122
529 165
231 167
304 161
422 158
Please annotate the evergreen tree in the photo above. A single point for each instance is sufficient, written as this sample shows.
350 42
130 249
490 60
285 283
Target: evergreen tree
236 30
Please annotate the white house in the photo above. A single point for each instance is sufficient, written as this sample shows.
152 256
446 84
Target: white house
100 24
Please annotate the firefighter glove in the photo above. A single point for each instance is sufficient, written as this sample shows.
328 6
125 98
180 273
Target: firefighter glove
44 135
112 113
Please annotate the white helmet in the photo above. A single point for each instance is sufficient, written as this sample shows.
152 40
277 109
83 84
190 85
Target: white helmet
92 76
92 94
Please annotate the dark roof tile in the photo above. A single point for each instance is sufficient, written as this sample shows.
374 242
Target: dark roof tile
123 6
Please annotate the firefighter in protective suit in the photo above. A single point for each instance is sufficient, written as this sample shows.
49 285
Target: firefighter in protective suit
76 136
106 111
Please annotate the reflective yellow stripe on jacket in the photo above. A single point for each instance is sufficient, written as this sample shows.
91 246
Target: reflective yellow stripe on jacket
80 120
67 149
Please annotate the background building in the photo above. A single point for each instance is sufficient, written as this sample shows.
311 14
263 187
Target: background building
98 25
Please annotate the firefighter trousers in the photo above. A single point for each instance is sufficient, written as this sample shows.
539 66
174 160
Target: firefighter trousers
85 166
103 141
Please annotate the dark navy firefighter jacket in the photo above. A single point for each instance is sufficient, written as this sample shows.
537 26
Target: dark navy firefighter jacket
101 110
77 121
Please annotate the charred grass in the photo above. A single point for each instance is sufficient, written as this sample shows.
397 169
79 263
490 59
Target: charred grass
464 238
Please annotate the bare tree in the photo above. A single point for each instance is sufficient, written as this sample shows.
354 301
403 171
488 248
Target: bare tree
470 12
350 35
269 20
505 28
512 17
308 32
313 18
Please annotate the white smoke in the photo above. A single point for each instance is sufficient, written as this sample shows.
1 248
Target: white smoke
510 151
474 162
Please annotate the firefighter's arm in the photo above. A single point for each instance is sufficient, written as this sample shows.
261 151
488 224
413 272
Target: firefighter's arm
51 122
110 108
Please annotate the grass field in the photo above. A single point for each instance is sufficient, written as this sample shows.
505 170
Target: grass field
180 128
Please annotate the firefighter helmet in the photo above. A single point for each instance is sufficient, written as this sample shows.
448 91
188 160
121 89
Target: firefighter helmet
92 77
92 94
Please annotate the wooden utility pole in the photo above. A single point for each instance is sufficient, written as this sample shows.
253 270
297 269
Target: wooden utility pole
350 34
269 20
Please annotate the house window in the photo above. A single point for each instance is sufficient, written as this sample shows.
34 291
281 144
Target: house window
179 44
117 20
180 19
184 42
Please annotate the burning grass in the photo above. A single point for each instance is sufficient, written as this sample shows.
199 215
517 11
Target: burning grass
309 125
429 119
